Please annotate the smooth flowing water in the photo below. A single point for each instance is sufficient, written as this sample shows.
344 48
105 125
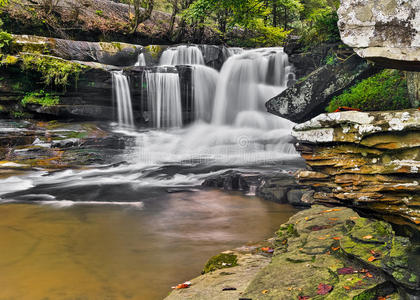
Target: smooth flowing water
123 99
134 229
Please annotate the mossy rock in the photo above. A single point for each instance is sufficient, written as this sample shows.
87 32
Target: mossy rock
220 261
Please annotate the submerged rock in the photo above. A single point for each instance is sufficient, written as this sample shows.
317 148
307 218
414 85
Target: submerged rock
366 160
311 94
384 31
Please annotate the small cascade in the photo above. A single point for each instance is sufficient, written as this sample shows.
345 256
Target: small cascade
164 97
141 61
182 55
247 80
204 88
122 98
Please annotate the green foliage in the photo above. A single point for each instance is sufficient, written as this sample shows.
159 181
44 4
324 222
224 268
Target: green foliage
41 98
5 41
331 59
53 70
99 13
3 2
384 91
220 261
320 27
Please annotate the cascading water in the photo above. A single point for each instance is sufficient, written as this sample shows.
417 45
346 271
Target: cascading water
141 61
204 87
182 55
122 98
247 81
164 97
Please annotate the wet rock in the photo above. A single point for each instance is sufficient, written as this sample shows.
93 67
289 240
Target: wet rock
310 95
366 160
310 250
384 31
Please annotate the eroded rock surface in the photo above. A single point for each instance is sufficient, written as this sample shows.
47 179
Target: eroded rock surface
366 160
311 94
325 246
385 31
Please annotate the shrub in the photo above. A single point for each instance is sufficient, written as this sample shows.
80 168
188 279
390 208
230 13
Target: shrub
5 41
386 90
41 98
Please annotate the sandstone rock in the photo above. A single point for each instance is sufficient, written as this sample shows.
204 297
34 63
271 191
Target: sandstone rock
384 31
366 160
310 95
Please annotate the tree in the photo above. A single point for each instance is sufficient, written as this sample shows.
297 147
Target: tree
142 11
286 11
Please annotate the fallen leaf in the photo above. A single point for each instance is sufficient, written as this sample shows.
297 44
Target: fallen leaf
335 248
321 238
336 209
381 298
333 219
184 285
327 211
336 238
290 288
328 253
346 287
364 271
372 258
369 275
368 237
374 253
264 292
324 289
354 218
267 249
343 271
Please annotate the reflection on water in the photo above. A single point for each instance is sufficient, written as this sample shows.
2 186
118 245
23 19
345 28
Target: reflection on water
124 252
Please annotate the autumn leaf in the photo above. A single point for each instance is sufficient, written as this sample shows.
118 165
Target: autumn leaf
346 287
374 253
369 275
264 292
335 248
324 289
333 219
368 237
336 238
354 218
343 271
372 258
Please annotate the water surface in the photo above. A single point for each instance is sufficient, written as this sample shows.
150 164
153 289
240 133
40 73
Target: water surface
90 251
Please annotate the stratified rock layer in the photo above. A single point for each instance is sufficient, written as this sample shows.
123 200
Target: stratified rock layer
366 160
385 31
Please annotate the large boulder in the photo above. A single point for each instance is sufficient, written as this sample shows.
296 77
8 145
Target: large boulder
310 95
384 31
370 161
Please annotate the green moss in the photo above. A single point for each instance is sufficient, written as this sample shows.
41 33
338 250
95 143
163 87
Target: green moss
19 114
413 278
53 70
398 275
9 60
220 261
41 98
367 295
5 41
384 91
154 50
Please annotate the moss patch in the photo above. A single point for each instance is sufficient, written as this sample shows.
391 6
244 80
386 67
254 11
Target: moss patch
220 261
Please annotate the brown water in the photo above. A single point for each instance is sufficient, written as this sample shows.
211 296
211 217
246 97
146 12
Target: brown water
117 252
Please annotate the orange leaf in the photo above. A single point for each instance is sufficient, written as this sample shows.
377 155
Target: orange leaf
328 253
372 258
368 237
369 275
336 238
321 238
381 298
346 287
336 209
333 219
335 248
353 218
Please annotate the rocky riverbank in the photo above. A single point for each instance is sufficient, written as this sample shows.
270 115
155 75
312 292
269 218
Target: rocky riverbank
320 253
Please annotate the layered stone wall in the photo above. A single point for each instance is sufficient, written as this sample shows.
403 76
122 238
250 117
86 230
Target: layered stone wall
366 160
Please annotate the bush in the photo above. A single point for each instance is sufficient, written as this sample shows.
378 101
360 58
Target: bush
320 27
5 41
386 90
41 98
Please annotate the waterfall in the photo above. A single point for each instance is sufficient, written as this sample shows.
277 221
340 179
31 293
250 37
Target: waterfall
204 87
182 55
122 97
141 61
247 80
164 97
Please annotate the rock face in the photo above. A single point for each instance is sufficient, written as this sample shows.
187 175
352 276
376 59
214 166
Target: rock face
370 161
320 253
310 95
384 31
